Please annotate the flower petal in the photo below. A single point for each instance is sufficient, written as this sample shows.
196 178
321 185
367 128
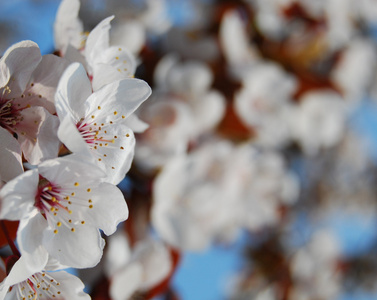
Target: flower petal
41 88
133 275
73 90
37 135
116 158
17 196
117 99
24 268
68 27
71 137
113 64
87 241
71 287
98 40
17 65
10 156
108 208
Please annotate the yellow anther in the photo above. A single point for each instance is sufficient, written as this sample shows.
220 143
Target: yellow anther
90 206
59 224
55 231
76 184
73 229
88 190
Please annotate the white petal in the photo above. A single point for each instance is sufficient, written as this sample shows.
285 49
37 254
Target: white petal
116 158
37 135
132 275
69 135
208 111
75 55
24 268
120 98
234 40
156 261
136 124
98 40
163 68
10 156
73 90
3 291
44 80
115 63
17 64
68 27
108 208
130 33
30 234
79 249
118 253
69 169
17 196
71 287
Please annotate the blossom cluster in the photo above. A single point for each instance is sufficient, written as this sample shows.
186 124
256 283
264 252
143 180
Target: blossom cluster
248 136
67 126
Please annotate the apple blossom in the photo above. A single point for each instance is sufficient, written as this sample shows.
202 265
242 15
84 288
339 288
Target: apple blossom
22 283
94 124
104 63
314 267
144 267
239 53
61 206
264 101
27 86
168 134
318 121
193 197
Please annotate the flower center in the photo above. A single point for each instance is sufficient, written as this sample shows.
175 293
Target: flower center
56 203
9 115
92 133
48 197
38 286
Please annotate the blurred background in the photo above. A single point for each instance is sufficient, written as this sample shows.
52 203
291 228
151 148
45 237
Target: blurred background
256 178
